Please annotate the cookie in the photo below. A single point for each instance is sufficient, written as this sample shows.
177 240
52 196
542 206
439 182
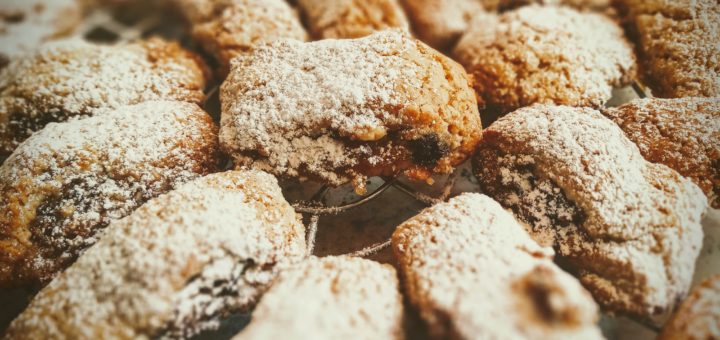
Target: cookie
336 297
228 28
629 229
473 272
173 267
66 182
679 44
699 315
73 78
343 110
547 55
343 19
682 133
26 24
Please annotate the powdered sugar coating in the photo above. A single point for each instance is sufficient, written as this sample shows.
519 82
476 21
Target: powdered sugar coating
68 181
335 297
629 228
338 110
136 282
474 272
543 54
343 19
26 24
698 317
71 78
682 133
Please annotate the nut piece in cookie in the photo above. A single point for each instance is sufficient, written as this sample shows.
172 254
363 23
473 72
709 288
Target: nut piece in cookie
26 24
545 54
342 110
682 133
175 266
229 28
66 182
628 228
698 317
343 19
474 272
71 78
336 297
678 43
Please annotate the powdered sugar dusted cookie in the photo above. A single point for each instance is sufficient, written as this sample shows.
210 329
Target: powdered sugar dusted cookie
73 78
628 228
682 133
342 110
26 24
344 19
229 28
474 272
66 182
699 315
539 54
679 43
174 266
330 298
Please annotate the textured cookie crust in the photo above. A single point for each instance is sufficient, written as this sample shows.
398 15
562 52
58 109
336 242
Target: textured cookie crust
682 133
73 78
340 110
26 24
343 19
679 43
330 298
628 228
68 181
174 266
539 54
474 272
229 28
698 317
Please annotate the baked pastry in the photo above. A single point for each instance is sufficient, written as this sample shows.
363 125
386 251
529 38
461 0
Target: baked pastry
629 229
342 110
473 273
229 28
539 54
173 267
26 24
69 180
698 317
343 19
330 298
440 23
73 78
682 133
679 44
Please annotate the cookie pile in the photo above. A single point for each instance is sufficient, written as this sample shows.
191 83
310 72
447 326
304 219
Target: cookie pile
117 213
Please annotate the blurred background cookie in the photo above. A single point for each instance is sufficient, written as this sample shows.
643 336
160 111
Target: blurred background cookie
64 184
343 19
699 315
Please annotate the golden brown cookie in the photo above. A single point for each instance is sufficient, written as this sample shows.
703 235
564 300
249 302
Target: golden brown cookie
698 318
73 78
343 110
440 23
336 297
545 55
229 28
678 43
682 133
474 272
66 182
175 266
26 24
343 19
629 229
